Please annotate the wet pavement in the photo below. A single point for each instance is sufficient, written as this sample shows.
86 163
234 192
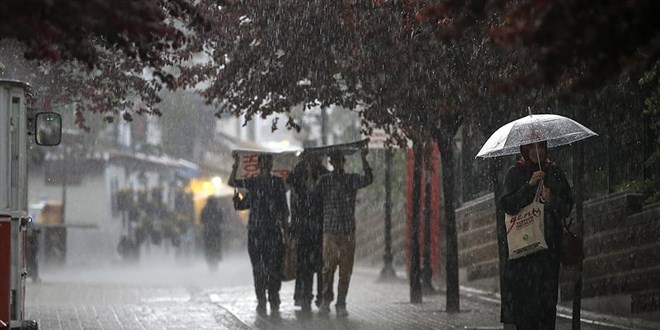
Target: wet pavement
175 294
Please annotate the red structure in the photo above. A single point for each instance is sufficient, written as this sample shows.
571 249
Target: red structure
435 194
5 269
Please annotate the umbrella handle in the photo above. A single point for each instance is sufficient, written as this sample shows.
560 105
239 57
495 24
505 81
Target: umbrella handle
536 145
538 158
537 196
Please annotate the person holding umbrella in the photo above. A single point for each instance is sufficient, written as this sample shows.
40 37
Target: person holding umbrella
530 283
269 212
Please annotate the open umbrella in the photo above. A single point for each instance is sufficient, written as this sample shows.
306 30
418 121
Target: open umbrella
557 130
345 148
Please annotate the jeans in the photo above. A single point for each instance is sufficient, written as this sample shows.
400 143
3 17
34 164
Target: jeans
338 251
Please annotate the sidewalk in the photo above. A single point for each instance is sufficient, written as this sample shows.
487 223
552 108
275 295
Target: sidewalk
380 306
371 305
171 295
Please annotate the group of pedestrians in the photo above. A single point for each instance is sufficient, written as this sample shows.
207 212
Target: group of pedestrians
322 225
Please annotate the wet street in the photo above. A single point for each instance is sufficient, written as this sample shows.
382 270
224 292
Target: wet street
179 294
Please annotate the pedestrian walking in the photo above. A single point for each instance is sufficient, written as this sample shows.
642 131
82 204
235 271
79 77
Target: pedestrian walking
33 234
307 228
269 212
530 283
338 191
212 219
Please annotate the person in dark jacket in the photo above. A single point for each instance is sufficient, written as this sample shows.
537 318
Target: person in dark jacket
269 212
307 228
211 219
529 285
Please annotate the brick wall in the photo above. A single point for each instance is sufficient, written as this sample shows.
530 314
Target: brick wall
622 248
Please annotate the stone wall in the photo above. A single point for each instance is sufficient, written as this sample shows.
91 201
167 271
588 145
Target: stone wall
622 250
477 238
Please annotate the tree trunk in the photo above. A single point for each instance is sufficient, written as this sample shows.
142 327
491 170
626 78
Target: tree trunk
388 273
415 280
427 269
445 139
324 126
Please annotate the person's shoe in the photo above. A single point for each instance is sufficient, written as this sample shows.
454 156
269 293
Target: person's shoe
324 309
341 311
306 306
297 302
261 308
274 306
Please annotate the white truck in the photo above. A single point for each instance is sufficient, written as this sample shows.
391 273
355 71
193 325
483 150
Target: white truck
17 124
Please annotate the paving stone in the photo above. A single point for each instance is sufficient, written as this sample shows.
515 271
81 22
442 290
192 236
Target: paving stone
158 297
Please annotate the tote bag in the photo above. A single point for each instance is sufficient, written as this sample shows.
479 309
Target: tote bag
525 231
289 258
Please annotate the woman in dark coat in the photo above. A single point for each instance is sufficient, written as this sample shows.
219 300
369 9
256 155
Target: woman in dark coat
530 284
211 219
307 228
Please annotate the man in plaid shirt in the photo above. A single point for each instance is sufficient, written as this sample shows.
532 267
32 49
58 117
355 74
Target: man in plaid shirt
338 190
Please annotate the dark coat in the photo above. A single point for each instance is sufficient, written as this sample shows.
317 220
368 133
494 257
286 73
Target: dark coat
529 285
306 204
307 229
211 219
269 209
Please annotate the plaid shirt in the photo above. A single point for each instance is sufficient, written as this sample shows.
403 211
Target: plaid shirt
338 192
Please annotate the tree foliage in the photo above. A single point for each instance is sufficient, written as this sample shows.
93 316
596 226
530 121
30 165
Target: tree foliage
277 54
76 29
573 43
110 58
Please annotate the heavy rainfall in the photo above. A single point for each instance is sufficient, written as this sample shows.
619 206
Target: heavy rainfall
373 164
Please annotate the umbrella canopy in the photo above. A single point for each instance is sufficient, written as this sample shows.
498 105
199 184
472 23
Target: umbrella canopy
344 148
557 130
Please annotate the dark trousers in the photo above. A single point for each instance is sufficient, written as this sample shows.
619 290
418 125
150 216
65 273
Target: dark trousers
309 262
32 252
265 248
